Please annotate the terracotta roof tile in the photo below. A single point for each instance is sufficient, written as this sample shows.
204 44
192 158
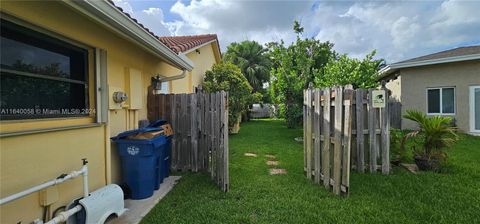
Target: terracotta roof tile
184 43
178 44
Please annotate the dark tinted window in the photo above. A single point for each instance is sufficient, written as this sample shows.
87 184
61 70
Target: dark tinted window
448 100
433 100
41 76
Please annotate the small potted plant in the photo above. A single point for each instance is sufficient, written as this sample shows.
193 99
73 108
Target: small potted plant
435 134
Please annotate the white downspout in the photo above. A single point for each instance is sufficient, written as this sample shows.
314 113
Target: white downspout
170 78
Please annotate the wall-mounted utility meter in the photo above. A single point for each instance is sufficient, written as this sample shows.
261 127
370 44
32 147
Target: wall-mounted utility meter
119 97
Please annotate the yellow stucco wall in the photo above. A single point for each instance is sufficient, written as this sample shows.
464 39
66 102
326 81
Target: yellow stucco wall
31 159
460 75
203 61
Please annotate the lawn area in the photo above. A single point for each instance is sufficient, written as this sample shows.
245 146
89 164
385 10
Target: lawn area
257 197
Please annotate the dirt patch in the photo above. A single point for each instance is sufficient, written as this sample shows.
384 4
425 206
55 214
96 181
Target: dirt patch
272 163
270 156
249 154
278 171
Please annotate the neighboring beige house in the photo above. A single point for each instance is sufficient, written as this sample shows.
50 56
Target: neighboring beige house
202 50
446 83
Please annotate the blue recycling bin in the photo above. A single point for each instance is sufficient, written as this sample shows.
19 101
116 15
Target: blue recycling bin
142 161
164 154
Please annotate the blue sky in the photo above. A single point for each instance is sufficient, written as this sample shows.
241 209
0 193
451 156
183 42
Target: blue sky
396 29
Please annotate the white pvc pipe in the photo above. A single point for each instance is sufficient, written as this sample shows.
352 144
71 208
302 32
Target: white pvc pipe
53 182
63 216
85 181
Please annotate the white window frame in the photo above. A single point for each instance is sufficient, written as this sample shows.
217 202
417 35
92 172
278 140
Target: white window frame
471 92
441 100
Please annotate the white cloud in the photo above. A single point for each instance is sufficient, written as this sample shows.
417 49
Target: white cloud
263 21
397 29
152 18
125 5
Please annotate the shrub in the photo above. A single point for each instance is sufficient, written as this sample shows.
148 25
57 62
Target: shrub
435 133
228 77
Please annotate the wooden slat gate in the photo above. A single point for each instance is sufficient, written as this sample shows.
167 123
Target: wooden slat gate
332 119
200 123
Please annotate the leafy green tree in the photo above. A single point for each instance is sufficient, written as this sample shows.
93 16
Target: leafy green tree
228 77
310 62
345 70
294 68
253 61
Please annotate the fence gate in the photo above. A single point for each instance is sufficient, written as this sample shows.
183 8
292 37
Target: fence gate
200 123
345 128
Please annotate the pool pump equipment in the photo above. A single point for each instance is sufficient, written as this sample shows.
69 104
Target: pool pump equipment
94 207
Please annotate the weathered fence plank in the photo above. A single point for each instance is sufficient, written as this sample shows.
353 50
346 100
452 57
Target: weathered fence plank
385 129
360 114
372 133
334 124
316 126
347 138
200 123
326 138
308 140
337 151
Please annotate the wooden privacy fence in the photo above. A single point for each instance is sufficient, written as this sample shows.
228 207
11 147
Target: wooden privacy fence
342 129
200 123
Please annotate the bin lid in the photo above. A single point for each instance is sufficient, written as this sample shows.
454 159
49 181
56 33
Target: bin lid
157 123
135 131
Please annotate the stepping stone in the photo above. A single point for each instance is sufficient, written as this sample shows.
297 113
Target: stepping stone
412 168
250 154
270 156
278 171
272 163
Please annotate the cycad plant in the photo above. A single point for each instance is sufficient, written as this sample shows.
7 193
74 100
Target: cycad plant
436 133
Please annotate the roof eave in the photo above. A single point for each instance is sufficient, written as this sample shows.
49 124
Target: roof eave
111 17
396 66
197 47
215 47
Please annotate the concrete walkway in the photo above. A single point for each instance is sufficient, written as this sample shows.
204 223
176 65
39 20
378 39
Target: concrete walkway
137 209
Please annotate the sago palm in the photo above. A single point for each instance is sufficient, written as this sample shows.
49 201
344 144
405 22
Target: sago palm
436 131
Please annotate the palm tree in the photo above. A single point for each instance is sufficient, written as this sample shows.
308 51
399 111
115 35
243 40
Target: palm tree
251 58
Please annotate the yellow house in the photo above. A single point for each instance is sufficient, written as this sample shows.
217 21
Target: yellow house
61 64
202 50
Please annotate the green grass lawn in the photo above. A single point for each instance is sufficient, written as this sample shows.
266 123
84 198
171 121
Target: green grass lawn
257 197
